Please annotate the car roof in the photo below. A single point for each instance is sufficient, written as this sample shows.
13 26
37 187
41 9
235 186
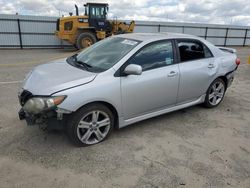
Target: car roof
155 36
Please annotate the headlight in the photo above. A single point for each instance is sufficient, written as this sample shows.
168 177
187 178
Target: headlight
38 104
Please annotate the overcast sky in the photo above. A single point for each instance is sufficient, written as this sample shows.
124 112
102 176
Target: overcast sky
235 12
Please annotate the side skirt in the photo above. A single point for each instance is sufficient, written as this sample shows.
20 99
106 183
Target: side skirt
124 123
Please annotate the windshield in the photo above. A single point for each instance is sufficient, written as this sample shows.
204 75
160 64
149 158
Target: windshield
97 12
104 54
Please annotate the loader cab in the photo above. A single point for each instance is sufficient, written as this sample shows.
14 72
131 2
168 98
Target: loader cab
97 13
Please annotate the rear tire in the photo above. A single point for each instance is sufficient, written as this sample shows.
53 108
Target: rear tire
90 125
215 93
84 40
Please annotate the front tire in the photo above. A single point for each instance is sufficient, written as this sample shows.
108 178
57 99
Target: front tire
215 93
84 40
90 125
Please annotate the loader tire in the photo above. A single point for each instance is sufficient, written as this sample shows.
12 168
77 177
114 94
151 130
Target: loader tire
84 40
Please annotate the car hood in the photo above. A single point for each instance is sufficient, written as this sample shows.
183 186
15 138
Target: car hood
55 76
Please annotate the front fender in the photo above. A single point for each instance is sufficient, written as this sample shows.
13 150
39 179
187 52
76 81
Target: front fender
100 90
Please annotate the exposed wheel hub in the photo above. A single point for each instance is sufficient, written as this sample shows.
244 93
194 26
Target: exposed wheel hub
86 42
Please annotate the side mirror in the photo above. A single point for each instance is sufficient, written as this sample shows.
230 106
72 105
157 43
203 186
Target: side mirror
133 69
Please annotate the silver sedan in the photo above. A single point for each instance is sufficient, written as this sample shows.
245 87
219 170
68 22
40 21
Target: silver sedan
125 79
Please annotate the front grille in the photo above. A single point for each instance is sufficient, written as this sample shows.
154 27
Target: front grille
24 97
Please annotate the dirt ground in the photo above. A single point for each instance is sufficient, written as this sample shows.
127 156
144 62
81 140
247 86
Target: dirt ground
195 147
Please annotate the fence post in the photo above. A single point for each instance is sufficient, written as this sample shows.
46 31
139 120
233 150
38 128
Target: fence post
245 38
225 42
159 28
20 33
206 33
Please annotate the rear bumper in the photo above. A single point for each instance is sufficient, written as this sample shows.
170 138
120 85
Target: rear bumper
230 77
47 120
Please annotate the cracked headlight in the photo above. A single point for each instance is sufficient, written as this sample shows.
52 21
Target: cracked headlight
38 104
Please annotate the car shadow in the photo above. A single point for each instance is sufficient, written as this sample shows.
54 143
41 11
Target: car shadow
33 137
161 122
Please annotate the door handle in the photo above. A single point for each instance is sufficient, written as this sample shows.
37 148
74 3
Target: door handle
210 65
172 74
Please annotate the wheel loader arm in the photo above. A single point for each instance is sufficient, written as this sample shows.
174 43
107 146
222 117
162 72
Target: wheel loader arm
131 27
122 27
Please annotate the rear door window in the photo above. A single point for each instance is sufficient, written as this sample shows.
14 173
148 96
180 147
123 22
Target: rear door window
193 50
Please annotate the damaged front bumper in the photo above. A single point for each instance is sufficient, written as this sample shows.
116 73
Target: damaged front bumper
46 120
42 110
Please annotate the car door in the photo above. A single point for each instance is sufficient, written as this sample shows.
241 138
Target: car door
157 86
197 69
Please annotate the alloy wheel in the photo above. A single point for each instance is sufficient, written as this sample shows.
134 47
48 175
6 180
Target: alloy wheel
93 127
216 93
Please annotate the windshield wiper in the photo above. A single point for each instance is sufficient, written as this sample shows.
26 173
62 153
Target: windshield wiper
81 63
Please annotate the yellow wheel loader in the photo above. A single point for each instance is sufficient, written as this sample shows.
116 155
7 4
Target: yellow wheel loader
84 30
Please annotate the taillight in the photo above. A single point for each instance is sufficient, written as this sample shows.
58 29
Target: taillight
237 61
